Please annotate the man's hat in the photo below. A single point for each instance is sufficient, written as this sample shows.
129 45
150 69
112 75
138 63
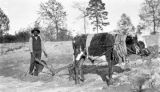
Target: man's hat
35 29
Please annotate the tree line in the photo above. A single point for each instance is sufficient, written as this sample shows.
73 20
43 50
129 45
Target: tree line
97 14
24 34
53 16
18 37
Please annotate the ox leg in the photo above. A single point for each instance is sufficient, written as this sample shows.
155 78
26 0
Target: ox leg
81 70
103 77
76 72
75 69
109 70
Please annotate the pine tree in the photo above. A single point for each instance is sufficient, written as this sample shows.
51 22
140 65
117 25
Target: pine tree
97 13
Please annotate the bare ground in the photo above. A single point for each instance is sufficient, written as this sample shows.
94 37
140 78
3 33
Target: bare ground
14 78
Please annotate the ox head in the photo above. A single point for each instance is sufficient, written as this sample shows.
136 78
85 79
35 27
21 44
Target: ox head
132 44
79 48
136 47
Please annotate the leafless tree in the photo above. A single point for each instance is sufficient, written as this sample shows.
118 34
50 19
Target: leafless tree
150 13
54 12
82 8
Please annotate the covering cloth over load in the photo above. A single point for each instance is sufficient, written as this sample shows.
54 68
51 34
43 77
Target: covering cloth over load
120 47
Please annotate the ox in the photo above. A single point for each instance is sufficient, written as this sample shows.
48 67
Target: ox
95 45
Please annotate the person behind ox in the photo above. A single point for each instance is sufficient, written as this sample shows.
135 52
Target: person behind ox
36 48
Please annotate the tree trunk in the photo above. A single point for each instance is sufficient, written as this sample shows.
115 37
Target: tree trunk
154 26
154 22
1 36
84 24
56 30
97 22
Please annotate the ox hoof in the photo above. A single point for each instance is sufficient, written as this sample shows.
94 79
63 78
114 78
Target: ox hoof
82 79
77 82
109 82
31 74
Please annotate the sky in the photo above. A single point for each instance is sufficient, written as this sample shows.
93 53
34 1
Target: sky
22 13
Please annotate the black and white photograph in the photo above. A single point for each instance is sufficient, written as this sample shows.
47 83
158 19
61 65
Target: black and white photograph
79 45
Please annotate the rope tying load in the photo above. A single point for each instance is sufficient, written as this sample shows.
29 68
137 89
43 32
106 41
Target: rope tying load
120 47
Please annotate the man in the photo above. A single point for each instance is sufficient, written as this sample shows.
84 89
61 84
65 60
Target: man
36 48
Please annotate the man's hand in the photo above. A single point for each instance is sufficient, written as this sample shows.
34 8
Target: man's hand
32 54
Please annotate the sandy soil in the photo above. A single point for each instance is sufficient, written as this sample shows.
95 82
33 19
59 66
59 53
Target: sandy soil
14 78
